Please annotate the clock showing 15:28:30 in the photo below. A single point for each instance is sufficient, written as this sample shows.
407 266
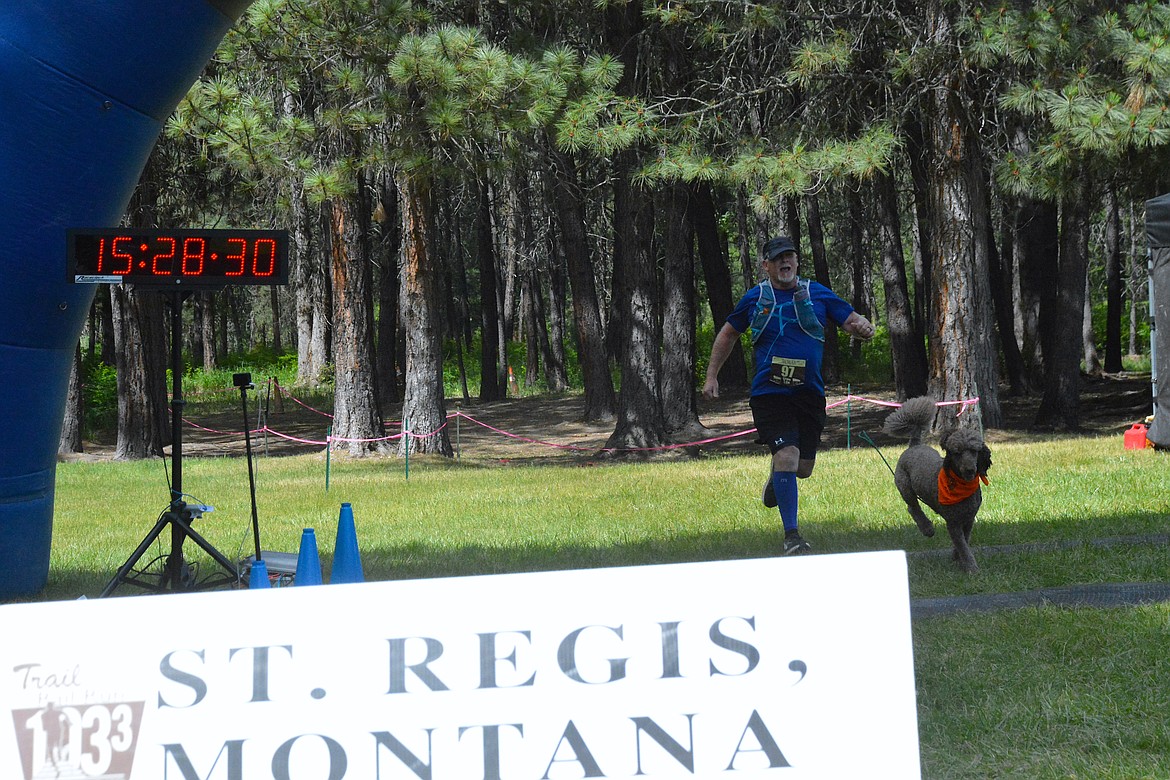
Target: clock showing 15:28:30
177 258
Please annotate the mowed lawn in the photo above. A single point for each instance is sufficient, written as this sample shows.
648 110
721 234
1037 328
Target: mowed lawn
1041 692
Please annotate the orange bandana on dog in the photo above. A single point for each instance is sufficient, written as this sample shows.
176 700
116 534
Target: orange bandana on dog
952 488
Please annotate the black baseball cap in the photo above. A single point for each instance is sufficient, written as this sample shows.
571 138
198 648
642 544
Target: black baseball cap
778 246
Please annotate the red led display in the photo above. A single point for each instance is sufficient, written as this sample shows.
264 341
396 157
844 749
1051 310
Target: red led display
177 258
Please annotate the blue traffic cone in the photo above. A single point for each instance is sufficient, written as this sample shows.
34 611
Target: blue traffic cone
308 560
347 561
258 576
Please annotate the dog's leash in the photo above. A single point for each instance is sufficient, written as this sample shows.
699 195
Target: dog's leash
866 438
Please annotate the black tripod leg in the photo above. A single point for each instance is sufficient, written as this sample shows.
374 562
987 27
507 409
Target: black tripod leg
143 546
207 547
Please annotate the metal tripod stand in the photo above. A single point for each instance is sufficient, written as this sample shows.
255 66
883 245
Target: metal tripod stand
176 574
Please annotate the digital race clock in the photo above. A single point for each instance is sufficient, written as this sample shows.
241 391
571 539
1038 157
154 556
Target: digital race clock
177 258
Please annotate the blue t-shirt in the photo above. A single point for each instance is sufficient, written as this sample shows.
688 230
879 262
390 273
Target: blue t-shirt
787 359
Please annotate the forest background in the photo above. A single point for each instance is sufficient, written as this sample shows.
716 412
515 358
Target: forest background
586 186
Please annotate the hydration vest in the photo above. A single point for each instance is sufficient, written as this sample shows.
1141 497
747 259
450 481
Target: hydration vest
806 316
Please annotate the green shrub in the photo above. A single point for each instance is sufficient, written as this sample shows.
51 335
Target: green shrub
876 365
1142 327
99 392
216 385
517 359
1138 364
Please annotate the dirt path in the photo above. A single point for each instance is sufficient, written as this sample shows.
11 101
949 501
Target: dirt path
544 429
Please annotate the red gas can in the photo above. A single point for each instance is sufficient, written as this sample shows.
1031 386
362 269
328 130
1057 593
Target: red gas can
1135 437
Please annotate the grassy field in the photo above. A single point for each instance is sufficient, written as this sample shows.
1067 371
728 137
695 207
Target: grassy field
1031 693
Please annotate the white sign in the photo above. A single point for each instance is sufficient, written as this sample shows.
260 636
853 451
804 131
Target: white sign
763 668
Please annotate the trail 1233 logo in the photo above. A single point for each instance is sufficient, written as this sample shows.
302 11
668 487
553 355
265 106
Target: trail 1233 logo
78 741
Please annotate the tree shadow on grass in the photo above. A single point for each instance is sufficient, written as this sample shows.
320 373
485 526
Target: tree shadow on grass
422 560
1077 550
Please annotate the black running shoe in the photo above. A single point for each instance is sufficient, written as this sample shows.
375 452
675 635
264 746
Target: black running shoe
794 544
769 496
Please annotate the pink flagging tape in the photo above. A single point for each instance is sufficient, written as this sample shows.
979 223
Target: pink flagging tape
676 446
366 441
523 438
963 406
252 431
849 398
414 435
286 437
595 449
284 391
299 402
411 434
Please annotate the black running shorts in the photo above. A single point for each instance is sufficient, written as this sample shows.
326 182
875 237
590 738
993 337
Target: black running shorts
787 419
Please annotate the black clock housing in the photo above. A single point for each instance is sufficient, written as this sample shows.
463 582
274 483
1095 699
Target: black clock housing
177 258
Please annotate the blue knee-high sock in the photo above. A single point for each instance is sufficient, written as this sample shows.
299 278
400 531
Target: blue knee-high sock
784 483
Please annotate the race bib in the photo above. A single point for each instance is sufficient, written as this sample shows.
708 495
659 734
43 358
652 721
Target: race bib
788 372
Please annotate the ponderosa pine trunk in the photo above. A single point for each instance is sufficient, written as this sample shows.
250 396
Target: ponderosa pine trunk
141 360
1037 228
390 234
712 248
859 274
640 426
907 345
1060 404
424 411
830 364
205 324
509 211
556 373
1000 261
310 292
963 358
679 406
918 159
599 396
1113 284
357 419
490 386
74 409
144 426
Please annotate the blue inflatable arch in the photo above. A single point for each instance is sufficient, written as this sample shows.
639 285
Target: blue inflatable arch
84 90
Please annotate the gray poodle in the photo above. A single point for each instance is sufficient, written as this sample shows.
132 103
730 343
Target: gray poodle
948 485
